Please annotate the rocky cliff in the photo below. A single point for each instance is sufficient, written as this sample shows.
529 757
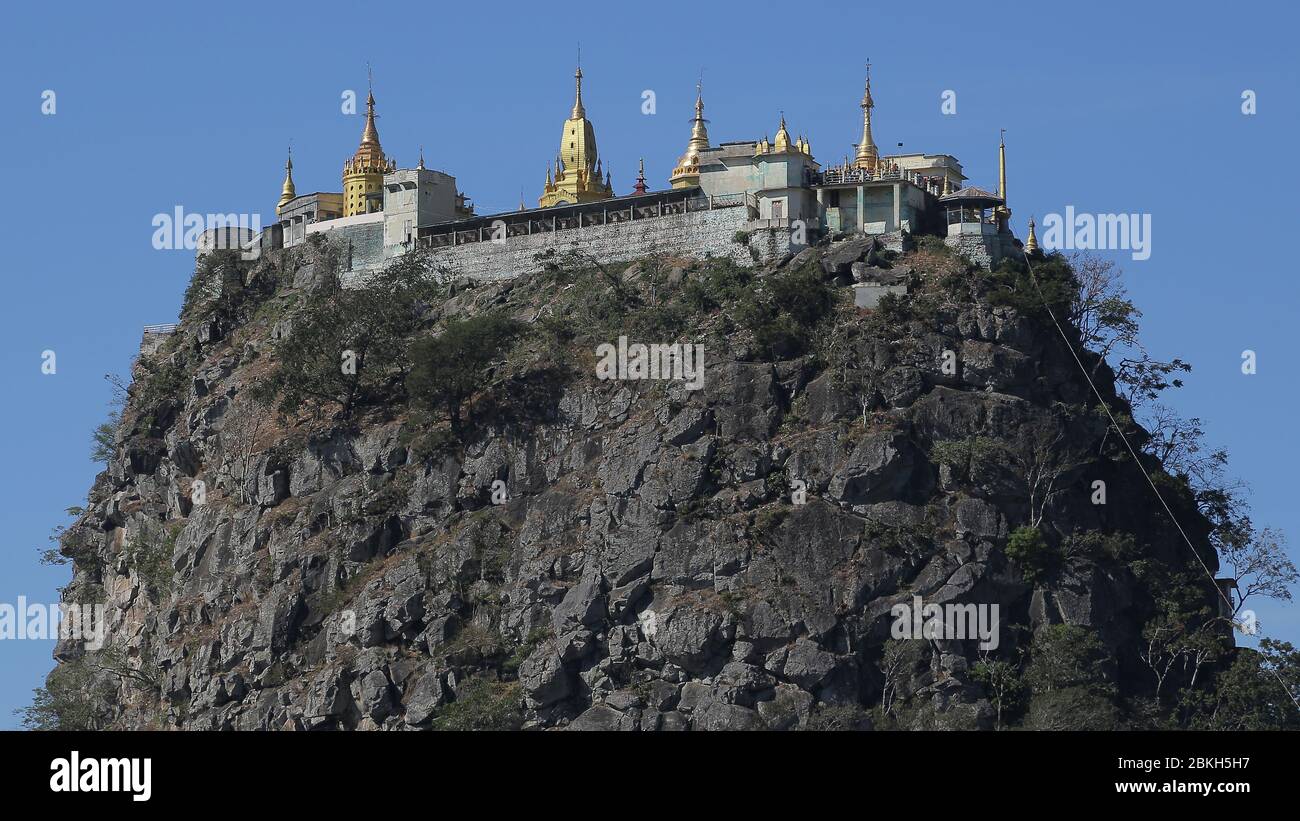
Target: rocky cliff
618 554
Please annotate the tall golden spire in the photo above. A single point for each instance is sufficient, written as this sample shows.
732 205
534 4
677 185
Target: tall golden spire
287 192
687 172
371 135
1002 165
1003 210
363 173
867 157
578 176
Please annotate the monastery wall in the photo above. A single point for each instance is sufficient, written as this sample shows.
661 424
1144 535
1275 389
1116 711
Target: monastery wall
692 234
985 250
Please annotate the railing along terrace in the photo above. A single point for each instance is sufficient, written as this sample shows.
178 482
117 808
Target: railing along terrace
838 176
162 330
969 215
564 218
732 200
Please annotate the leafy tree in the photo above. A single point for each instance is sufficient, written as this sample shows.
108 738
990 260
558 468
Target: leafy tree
349 344
448 368
1256 692
784 309
1067 655
1108 325
1066 676
102 444
1052 286
103 438
1261 567
64 543
66 702
1258 559
1072 708
1176 641
1028 548
1002 681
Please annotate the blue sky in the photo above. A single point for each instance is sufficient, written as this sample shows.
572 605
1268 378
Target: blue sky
1109 107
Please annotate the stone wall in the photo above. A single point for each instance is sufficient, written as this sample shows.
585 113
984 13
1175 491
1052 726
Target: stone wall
692 234
362 245
985 250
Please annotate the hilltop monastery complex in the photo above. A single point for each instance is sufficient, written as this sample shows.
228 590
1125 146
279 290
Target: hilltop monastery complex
751 201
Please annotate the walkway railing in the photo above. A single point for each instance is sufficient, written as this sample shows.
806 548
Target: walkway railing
837 176
497 227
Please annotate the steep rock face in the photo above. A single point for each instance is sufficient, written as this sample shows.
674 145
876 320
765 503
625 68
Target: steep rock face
662 558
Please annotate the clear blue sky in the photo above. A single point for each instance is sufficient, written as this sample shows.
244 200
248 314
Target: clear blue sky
1108 106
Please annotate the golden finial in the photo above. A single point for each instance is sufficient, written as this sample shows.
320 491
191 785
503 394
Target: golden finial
782 142
578 111
687 171
868 155
287 192
1031 244
370 136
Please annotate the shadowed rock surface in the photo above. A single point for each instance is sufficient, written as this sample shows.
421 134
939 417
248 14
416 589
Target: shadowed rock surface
649 568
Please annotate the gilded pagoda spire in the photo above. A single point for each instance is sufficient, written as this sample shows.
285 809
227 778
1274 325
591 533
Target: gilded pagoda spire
1002 165
578 111
687 171
363 173
371 135
782 140
578 170
868 155
287 192
1031 243
1003 211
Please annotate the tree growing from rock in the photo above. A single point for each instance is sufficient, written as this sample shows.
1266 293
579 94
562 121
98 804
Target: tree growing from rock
448 368
349 345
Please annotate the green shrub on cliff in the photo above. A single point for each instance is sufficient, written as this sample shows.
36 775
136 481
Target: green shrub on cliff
1029 549
482 704
448 368
347 347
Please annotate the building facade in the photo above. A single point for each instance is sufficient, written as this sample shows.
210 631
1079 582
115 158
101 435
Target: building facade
772 194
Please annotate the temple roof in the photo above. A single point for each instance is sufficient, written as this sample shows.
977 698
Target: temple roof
972 194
